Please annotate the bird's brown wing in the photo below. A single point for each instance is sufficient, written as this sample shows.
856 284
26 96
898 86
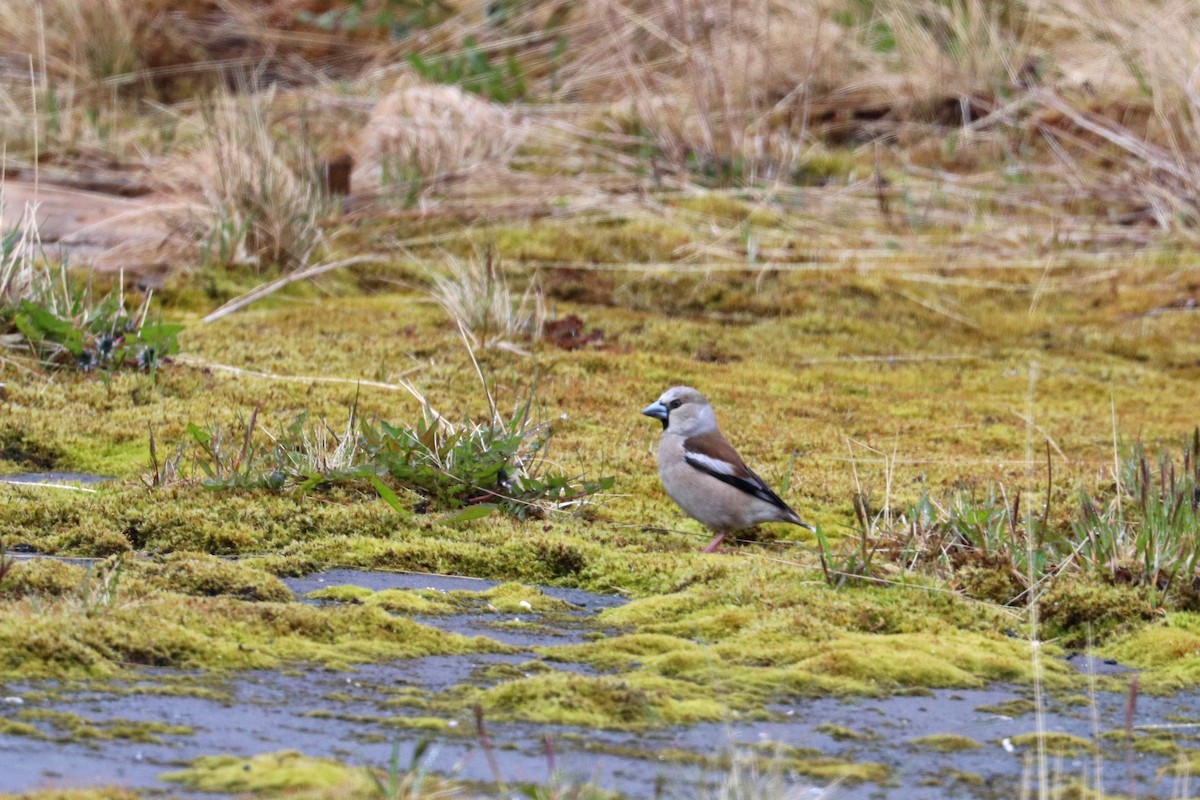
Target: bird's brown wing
712 454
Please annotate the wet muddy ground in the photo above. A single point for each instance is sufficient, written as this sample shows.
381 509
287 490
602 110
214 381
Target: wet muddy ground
353 716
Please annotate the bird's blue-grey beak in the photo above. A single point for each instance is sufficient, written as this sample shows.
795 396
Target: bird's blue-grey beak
656 410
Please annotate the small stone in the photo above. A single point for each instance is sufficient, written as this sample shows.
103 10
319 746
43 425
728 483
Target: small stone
14 701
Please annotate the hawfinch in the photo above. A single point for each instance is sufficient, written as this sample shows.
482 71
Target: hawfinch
704 474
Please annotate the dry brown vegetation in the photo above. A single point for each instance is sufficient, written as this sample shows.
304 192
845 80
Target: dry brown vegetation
934 256
1037 123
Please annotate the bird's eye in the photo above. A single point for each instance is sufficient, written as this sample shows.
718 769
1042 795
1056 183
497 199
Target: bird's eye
675 404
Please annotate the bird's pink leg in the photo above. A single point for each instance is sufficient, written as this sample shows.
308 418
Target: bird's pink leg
714 544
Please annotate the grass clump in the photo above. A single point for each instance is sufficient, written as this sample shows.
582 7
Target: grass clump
480 468
476 296
1123 551
259 196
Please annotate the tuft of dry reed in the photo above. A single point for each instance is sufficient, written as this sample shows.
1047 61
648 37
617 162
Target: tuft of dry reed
475 294
423 134
255 193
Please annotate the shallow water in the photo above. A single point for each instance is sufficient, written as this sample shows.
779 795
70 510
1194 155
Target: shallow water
55 478
263 711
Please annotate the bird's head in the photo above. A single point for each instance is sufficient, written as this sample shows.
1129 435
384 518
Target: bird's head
683 410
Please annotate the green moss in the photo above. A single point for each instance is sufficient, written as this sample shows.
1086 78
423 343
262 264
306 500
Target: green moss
973 779
405 601
347 593
516 598
723 206
1085 612
631 703
1010 708
731 633
73 727
872 663
946 743
41 577
836 769
90 793
841 733
268 773
504 671
10 727
1058 744
206 576
1186 763
24 454
1169 649
431 724
213 633
1155 745
640 240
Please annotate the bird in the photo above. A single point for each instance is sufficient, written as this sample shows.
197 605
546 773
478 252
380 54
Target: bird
704 475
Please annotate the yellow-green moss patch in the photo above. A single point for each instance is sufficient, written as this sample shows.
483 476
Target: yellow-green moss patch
70 639
516 598
1170 648
637 702
269 773
946 743
1058 744
410 601
1186 763
836 769
67 726
843 734
64 793
346 593
1010 708
206 576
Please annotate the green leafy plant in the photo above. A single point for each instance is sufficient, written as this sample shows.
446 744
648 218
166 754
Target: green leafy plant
1148 529
473 70
65 322
398 18
96 335
475 468
1142 529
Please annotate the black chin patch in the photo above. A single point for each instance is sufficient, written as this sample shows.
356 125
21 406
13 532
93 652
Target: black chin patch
665 420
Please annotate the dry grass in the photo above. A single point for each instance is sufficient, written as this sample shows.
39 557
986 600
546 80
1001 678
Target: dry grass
1137 109
477 297
724 89
959 126
258 195
421 135
23 276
